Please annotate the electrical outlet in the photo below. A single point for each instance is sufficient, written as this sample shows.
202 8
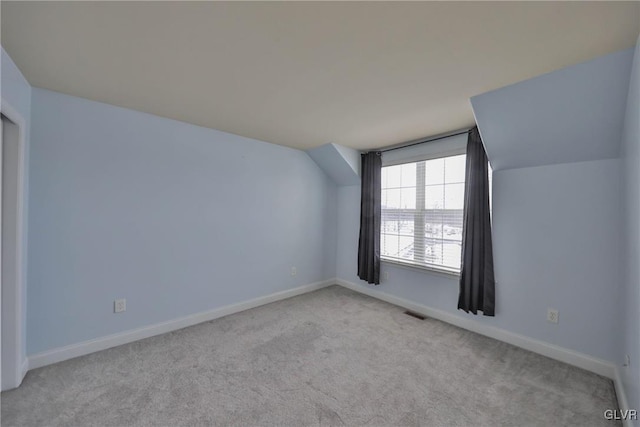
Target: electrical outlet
552 315
120 305
385 275
627 360
294 272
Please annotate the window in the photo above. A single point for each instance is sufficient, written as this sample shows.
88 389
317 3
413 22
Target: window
422 210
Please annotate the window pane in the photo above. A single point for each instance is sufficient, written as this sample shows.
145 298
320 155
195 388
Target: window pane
454 196
392 198
438 240
452 228
409 175
434 197
452 254
408 198
406 247
405 224
389 243
389 224
454 168
397 222
434 171
433 225
433 252
394 174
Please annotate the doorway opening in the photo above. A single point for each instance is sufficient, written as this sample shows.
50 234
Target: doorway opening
11 312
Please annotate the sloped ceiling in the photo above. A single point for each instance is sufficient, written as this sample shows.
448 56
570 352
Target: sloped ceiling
303 74
342 164
570 115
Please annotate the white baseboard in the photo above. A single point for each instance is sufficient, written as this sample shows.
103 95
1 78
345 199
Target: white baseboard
598 366
623 404
592 364
80 349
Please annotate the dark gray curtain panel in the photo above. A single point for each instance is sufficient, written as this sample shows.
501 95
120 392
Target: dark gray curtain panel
370 208
477 282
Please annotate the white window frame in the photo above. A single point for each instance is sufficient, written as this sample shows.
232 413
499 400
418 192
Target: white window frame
441 269
445 150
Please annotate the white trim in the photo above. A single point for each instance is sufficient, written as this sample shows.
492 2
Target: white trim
598 366
623 404
80 349
421 267
592 364
13 115
433 148
425 157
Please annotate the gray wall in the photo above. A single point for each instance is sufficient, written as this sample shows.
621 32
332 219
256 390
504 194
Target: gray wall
630 295
556 244
175 218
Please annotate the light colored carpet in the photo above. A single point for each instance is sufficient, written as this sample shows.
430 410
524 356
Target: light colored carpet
331 357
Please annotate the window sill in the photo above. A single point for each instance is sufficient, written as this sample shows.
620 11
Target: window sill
422 268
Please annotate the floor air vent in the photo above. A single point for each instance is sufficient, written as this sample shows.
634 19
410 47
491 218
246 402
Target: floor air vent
414 314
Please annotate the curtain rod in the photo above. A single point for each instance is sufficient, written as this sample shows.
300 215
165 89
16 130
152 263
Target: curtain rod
424 140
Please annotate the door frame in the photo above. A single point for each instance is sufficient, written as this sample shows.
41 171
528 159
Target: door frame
20 363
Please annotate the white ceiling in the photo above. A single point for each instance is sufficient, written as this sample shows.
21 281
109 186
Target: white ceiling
303 74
